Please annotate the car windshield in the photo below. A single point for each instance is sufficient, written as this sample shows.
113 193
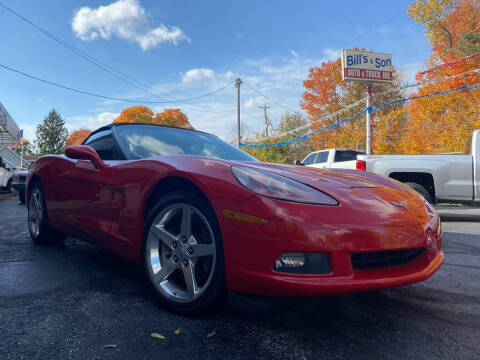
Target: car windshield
143 141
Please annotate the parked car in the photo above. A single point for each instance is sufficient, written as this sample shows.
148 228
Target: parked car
332 158
453 178
19 180
203 217
6 172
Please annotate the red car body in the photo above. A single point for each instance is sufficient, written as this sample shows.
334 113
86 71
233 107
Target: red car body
376 217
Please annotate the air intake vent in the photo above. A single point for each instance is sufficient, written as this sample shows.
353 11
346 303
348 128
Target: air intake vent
384 259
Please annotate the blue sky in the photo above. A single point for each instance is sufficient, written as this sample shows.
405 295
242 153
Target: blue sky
188 48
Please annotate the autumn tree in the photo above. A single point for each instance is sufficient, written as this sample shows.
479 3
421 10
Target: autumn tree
444 123
136 115
78 137
326 94
51 134
144 115
173 117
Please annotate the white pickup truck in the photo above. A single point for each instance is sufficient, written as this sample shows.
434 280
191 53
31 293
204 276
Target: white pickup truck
332 158
451 178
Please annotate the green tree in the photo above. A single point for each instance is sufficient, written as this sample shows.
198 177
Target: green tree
470 44
51 134
292 126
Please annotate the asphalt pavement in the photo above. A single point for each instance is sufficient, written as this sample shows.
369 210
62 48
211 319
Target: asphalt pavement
73 301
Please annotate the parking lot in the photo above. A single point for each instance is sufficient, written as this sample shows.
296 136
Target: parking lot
70 302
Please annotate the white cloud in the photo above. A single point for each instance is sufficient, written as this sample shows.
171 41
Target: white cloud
90 122
229 75
127 20
254 103
332 54
196 75
294 53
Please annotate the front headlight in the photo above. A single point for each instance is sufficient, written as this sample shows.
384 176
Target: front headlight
274 186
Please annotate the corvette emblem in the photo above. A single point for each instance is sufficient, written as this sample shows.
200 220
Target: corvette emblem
400 205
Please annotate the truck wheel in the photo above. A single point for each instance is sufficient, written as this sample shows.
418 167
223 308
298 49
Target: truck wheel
421 190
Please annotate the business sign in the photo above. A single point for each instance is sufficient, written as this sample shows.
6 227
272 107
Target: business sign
366 66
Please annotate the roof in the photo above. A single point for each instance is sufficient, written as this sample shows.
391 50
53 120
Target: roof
9 131
13 157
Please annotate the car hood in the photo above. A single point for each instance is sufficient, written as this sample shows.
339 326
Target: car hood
386 199
325 178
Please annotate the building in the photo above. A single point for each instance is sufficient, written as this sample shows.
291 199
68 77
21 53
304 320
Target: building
9 131
14 158
9 136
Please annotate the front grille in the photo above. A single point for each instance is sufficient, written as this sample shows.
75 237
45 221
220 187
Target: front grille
384 259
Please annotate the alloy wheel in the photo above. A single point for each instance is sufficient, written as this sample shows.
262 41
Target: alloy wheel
35 212
181 253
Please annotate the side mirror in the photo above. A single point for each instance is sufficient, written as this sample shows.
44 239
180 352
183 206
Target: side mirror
85 152
297 162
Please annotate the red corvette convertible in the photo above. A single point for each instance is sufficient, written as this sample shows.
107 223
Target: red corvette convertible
204 217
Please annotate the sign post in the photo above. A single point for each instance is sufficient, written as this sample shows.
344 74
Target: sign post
369 120
371 68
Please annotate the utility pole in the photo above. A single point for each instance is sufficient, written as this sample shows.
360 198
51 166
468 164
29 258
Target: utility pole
265 107
369 119
238 82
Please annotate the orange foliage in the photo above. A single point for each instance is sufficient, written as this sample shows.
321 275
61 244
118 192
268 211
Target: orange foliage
444 123
136 115
326 93
78 137
173 117
143 115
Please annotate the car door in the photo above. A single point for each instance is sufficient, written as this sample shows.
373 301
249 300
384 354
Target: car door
322 160
81 199
310 160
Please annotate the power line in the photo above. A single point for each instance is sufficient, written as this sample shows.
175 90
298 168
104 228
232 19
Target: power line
267 97
99 95
109 69
375 28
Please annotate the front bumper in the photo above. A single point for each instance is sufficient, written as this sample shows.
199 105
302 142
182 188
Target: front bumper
251 249
288 286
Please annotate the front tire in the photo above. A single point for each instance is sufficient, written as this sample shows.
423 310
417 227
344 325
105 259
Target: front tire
183 253
40 231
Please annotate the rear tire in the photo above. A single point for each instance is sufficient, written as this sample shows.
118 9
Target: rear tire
184 259
421 190
41 232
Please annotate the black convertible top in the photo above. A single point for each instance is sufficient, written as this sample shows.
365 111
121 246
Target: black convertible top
112 125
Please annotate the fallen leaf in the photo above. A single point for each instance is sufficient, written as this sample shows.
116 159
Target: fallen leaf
158 336
211 335
178 332
111 346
